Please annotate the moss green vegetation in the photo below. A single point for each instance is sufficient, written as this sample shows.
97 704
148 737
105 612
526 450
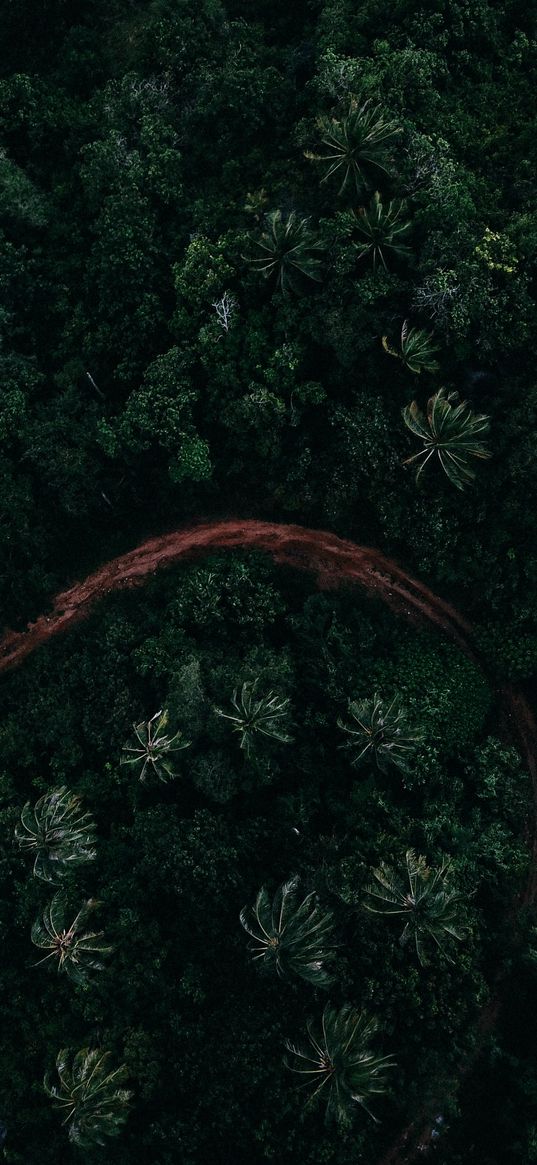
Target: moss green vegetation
166 983
241 246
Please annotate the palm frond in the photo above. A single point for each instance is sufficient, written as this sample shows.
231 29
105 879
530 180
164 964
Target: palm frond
382 230
380 732
152 753
417 349
59 832
291 936
255 715
291 255
70 948
431 909
449 431
356 145
338 1063
95 1108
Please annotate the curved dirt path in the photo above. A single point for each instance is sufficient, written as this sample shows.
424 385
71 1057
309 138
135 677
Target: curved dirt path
334 561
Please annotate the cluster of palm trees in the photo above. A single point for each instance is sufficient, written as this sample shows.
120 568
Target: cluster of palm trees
357 153
355 150
252 716
60 835
378 730
294 936
291 934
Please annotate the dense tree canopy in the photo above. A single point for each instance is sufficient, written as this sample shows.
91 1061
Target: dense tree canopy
251 256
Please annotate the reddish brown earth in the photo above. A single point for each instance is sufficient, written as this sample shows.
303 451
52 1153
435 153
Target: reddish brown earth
335 561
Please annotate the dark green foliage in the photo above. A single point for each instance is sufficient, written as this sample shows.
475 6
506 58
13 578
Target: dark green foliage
295 937
423 897
142 149
95 1107
443 691
151 755
160 414
19 199
452 432
70 947
60 833
356 145
178 1000
339 1055
292 255
380 732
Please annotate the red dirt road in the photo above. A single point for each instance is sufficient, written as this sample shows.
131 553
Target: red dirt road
334 561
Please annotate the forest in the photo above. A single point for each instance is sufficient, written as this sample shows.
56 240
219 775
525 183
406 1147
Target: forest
268 500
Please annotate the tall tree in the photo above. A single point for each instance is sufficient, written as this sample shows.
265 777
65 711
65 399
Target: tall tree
451 432
380 732
340 1064
152 753
59 832
255 716
356 145
95 1107
431 909
293 937
69 946
382 229
291 253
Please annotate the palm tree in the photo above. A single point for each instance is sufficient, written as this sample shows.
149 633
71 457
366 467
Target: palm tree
152 754
291 254
382 228
340 1063
380 732
59 831
452 432
71 948
356 144
417 349
430 908
257 715
95 1107
293 937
